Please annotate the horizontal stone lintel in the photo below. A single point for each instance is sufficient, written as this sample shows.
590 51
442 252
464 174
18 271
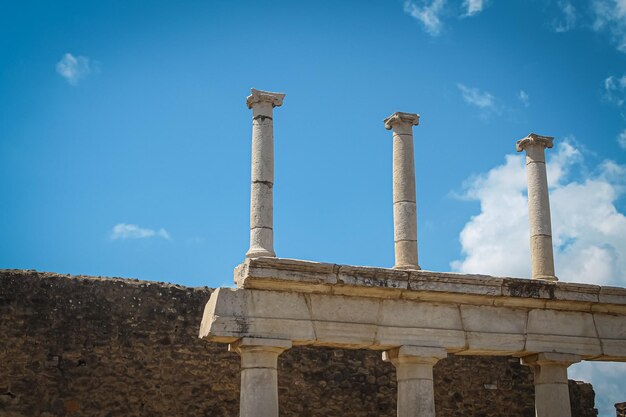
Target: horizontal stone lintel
278 274
381 323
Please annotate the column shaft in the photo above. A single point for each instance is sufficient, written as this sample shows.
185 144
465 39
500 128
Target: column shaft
404 200
414 370
541 251
551 384
262 104
259 376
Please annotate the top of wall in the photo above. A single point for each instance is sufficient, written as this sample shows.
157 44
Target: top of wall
325 278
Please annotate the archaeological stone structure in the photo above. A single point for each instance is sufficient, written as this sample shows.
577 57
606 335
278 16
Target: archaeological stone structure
415 318
107 347
304 338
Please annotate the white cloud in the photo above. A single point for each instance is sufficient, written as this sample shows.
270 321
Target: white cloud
473 7
567 20
74 68
610 16
123 231
615 89
524 98
427 13
483 100
621 139
589 235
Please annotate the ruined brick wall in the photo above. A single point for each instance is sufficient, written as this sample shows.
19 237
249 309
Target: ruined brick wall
84 346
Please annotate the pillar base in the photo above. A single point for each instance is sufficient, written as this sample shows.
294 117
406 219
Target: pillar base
260 253
407 267
551 278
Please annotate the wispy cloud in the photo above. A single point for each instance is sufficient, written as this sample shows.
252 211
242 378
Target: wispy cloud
124 231
483 100
567 20
473 7
524 98
615 89
74 68
610 16
621 139
428 13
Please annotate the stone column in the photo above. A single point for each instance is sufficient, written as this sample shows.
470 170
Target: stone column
404 202
262 104
259 376
414 370
551 387
541 252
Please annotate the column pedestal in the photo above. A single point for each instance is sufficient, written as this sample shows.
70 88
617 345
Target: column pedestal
259 376
551 386
414 370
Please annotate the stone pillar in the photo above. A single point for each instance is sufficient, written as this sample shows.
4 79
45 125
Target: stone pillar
259 376
414 370
262 104
541 252
551 387
404 202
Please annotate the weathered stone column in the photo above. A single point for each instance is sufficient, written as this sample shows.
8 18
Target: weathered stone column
414 370
262 104
404 202
259 376
551 387
541 252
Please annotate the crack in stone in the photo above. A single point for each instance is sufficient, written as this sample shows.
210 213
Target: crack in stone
268 183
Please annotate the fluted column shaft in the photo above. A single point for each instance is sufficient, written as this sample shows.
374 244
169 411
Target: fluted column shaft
262 104
414 371
404 200
259 375
541 250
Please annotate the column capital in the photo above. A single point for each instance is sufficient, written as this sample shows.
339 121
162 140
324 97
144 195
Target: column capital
415 354
533 139
412 119
259 353
551 358
256 342
258 96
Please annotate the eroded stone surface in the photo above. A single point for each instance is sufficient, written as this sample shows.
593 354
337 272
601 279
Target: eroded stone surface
262 104
377 308
126 348
541 251
404 202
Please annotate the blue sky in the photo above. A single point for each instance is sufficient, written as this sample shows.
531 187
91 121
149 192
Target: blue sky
125 139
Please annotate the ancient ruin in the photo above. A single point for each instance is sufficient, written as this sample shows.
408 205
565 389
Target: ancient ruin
313 339
414 317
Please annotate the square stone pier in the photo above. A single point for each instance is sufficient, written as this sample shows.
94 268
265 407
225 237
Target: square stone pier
415 318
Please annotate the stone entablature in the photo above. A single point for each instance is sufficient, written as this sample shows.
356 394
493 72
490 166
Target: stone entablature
344 306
